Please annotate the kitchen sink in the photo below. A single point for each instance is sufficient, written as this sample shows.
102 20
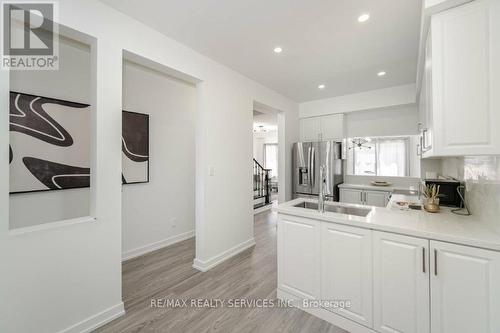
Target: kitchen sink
363 212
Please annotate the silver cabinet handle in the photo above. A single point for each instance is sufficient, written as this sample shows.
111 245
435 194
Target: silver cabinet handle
435 262
423 259
361 196
421 150
425 147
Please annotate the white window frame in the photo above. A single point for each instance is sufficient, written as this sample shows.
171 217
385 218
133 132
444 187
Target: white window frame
375 142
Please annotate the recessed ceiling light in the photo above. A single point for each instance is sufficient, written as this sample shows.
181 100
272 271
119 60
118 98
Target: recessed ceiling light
278 49
363 17
381 73
321 86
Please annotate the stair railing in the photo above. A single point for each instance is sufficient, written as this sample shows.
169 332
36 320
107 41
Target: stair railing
261 180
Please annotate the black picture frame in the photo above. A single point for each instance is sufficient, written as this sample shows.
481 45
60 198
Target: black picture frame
83 105
147 116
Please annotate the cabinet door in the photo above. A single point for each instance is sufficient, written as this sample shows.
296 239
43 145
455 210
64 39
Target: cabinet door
466 79
346 270
352 196
400 283
422 103
298 256
376 198
310 129
465 289
428 125
332 127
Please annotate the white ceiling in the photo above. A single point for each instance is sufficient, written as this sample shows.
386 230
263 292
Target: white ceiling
268 121
322 40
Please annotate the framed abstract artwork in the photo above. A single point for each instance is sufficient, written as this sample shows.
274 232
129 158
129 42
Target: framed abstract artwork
49 145
135 147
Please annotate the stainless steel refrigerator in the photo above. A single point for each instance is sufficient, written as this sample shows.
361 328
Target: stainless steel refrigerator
307 157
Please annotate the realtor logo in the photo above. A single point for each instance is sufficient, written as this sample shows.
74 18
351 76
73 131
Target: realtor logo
30 36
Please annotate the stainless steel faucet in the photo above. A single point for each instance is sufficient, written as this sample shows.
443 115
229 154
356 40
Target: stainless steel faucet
322 196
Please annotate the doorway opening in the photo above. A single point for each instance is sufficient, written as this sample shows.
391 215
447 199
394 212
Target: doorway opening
158 156
265 159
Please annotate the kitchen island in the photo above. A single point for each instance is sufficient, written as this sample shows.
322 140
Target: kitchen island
389 270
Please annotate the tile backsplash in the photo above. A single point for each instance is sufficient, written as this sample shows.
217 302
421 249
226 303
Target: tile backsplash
481 175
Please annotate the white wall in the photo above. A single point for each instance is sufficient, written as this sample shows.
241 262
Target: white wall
373 99
386 121
28 209
393 121
69 277
401 120
163 209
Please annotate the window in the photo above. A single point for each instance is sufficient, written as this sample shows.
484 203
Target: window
381 157
392 157
271 158
365 160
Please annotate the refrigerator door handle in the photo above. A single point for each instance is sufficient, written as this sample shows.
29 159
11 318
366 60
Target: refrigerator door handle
309 166
313 167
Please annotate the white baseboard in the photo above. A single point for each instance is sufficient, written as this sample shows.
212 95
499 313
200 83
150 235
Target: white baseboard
97 320
326 315
205 265
156 245
262 209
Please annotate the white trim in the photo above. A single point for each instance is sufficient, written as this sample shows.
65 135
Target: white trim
263 208
139 251
324 314
51 225
97 320
205 265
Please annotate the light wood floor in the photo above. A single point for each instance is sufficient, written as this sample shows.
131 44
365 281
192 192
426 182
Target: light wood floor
168 273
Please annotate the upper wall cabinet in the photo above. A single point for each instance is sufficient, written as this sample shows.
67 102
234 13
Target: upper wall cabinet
310 128
461 102
329 127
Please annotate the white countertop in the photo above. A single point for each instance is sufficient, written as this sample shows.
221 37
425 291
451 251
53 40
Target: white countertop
444 226
373 187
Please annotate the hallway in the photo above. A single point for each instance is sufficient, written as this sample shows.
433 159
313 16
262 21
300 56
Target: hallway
251 275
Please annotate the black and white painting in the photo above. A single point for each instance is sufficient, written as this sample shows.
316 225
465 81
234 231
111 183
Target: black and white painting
135 147
49 144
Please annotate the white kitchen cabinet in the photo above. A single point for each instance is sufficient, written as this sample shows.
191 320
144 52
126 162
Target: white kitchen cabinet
400 283
465 289
391 282
427 125
346 270
463 80
298 256
323 128
332 127
352 196
310 128
364 197
376 198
